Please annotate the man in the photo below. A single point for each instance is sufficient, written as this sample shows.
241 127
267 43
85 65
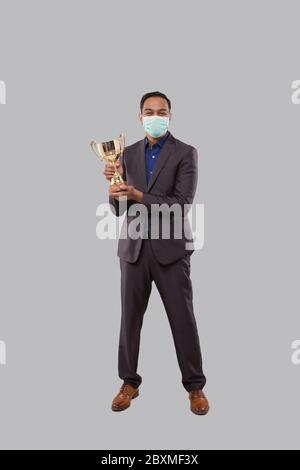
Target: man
159 171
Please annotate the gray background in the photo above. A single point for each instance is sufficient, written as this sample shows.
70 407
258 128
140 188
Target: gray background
76 71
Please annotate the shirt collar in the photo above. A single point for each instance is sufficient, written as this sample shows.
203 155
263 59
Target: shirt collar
160 141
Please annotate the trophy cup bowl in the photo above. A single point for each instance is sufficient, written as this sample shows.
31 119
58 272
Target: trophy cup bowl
111 151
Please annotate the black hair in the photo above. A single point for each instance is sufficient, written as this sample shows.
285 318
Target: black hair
154 93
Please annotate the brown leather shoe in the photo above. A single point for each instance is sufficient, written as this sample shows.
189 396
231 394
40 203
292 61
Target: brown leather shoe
199 402
123 399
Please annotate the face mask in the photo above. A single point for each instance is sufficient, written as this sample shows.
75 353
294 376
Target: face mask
156 126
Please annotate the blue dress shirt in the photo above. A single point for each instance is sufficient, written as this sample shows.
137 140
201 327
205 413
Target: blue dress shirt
151 154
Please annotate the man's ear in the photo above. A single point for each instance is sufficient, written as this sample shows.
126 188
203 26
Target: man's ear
170 117
141 118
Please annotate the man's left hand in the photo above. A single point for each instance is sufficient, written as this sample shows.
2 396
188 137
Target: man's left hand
125 190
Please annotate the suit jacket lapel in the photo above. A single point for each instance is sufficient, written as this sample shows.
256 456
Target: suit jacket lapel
161 160
141 163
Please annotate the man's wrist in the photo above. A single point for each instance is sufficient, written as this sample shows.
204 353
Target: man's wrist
137 195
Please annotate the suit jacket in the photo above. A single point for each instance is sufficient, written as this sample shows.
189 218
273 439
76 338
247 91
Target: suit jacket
173 181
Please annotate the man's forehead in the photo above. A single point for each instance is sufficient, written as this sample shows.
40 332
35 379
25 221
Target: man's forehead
156 103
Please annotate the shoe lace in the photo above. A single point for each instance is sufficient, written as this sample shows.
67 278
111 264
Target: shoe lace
196 393
125 389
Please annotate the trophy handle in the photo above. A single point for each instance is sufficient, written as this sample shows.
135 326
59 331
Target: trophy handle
95 149
122 143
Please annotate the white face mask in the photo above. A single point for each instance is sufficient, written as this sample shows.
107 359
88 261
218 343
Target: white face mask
156 126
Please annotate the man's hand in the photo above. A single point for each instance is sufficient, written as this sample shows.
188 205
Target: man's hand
124 190
109 170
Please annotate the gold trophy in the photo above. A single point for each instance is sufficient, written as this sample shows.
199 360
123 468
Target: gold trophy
111 152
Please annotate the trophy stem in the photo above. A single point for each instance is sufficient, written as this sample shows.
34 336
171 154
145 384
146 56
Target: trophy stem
117 178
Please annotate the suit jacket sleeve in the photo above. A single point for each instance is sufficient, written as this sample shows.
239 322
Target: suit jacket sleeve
185 184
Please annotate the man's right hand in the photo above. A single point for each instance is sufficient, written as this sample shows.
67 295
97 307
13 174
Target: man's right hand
109 170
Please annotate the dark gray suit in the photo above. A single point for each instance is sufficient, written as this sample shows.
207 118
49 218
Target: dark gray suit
164 261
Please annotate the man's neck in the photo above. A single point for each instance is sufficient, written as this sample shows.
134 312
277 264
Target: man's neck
153 140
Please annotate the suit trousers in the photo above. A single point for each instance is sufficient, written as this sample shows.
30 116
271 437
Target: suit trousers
175 288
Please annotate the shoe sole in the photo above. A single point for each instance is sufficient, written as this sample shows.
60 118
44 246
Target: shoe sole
125 407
